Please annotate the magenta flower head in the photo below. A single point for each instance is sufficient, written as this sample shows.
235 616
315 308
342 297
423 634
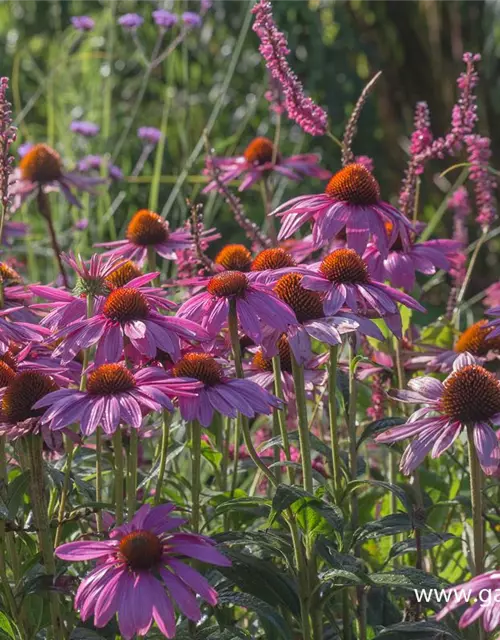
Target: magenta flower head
260 158
93 274
487 608
352 202
494 324
257 306
84 128
41 169
470 396
114 395
151 135
83 23
343 279
141 572
149 230
96 163
219 392
128 313
164 19
191 20
19 332
130 21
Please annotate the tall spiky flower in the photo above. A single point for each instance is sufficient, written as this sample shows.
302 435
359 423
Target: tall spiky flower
7 137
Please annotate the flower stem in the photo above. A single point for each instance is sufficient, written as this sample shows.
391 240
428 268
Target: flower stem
165 437
305 445
476 479
68 445
195 474
132 473
40 517
118 453
281 417
46 212
98 476
332 413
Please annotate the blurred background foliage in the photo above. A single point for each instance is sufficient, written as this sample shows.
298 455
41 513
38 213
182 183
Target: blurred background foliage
58 75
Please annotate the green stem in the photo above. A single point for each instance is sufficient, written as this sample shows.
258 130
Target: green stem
68 444
281 416
351 430
132 473
332 413
195 474
476 480
118 453
305 445
236 453
98 476
165 437
3 539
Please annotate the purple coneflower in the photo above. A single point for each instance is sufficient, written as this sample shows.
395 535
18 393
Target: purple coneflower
351 201
475 340
401 265
494 324
219 393
130 21
470 396
19 332
164 19
258 159
257 307
343 279
41 169
114 395
313 324
84 128
488 608
140 574
83 23
151 135
128 313
149 230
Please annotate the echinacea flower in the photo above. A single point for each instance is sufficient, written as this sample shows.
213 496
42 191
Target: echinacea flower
484 589
148 230
130 21
475 340
258 160
140 573
14 294
343 279
469 397
41 168
219 392
400 265
19 332
151 135
122 275
257 307
128 313
234 257
114 395
313 323
83 23
351 201
85 128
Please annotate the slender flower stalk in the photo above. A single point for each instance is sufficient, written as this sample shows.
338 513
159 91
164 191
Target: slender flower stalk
195 429
165 438
352 125
305 445
45 211
332 413
476 481
7 137
118 458
281 417
132 472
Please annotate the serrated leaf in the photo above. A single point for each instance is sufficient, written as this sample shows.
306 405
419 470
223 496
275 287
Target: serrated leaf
387 526
427 542
342 577
377 427
242 504
398 491
407 579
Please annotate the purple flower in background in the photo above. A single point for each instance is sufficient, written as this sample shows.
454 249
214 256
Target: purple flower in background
151 135
219 392
7 137
479 152
470 396
274 49
140 573
113 396
191 19
130 21
83 23
81 225
422 135
23 148
486 608
95 163
84 128
257 307
164 19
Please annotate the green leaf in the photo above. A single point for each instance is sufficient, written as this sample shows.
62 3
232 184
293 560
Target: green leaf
427 542
387 526
16 492
262 609
286 496
6 626
407 579
398 491
423 630
242 504
342 577
85 634
377 427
